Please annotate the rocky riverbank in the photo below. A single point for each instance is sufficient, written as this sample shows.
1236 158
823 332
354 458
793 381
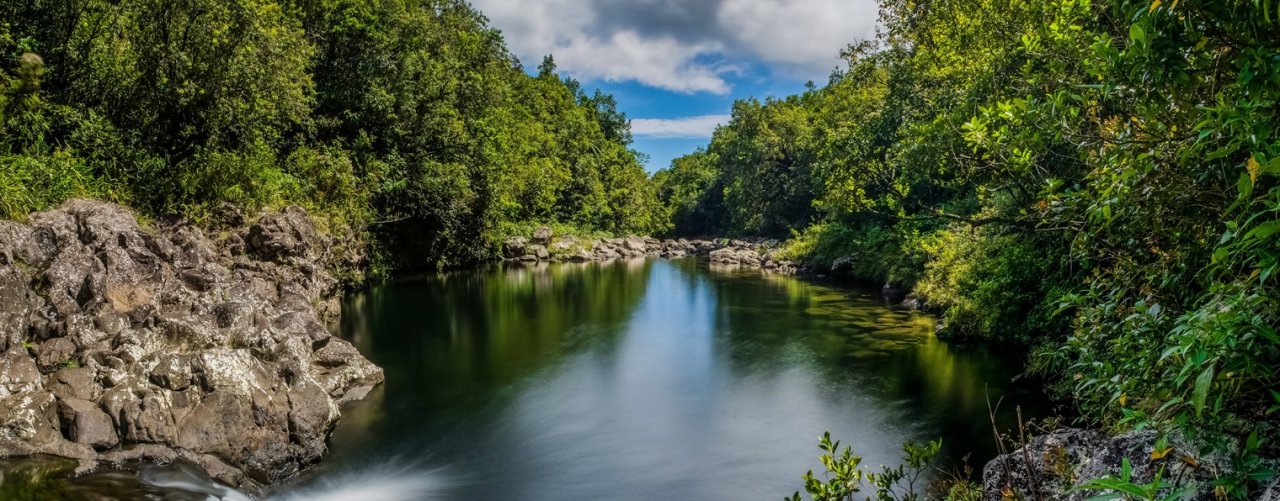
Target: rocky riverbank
1054 465
544 246
120 342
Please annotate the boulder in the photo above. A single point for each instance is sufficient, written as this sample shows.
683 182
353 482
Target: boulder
56 352
539 252
1272 493
166 343
1051 466
85 423
635 244
282 234
18 373
725 255
542 236
74 383
514 247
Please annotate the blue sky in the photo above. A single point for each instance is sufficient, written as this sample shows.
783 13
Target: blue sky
676 66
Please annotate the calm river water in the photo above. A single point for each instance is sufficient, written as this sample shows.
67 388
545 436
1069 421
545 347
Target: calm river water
647 379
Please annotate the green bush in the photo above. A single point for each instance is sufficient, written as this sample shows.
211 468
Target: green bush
991 284
846 477
32 183
880 254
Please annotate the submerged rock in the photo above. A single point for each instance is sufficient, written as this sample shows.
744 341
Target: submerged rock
123 343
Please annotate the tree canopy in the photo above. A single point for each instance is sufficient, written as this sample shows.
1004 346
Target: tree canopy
405 118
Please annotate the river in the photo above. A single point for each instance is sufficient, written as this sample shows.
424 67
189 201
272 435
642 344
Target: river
643 379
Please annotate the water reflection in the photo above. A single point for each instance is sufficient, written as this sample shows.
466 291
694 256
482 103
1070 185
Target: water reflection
652 379
641 380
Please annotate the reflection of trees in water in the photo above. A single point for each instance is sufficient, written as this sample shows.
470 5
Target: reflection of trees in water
848 338
480 332
490 326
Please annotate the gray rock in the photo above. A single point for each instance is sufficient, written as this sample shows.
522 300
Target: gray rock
539 252
1272 493
1052 465
842 267
28 421
739 253
283 234
635 244
178 355
84 423
514 247
74 383
726 255
18 373
55 352
542 236
172 371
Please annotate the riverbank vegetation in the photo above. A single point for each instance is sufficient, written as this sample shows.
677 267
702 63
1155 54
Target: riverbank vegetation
403 123
1097 178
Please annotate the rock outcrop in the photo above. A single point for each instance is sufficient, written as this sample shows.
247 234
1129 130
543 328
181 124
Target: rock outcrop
1051 466
761 254
119 342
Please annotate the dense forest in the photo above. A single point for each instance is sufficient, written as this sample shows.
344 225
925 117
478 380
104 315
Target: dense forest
406 119
1096 178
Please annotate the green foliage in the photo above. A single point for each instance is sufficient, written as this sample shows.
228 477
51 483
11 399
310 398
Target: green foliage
989 282
881 254
693 198
1123 487
407 120
846 477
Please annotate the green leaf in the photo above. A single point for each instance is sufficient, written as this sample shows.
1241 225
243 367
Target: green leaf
1263 230
1245 186
1137 34
1201 390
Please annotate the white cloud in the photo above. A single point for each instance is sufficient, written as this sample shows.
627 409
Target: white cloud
801 37
659 62
696 127
684 46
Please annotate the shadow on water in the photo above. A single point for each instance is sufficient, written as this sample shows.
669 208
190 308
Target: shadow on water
641 379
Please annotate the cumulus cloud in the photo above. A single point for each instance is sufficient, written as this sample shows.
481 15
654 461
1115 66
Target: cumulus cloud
682 45
696 127
801 37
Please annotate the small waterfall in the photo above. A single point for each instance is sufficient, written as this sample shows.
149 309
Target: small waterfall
370 485
377 482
